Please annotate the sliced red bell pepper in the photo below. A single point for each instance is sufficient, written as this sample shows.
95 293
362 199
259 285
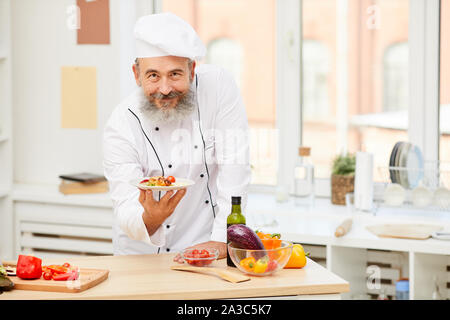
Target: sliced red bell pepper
72 275
29 267
56 268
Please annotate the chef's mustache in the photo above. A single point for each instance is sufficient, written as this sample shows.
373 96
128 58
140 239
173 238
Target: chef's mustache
170 95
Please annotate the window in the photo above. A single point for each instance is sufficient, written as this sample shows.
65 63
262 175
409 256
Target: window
395 82
240 37
364 79
356 75
444 117
315 78
228 54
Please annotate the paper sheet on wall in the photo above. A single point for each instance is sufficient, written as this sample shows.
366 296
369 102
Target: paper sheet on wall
79 97
94 22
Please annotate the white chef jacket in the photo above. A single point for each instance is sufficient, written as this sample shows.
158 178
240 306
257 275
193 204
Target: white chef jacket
134 147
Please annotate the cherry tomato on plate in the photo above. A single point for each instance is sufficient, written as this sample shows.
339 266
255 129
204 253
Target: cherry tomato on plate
171 179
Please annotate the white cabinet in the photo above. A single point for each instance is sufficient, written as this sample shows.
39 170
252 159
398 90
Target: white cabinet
6 165
49 224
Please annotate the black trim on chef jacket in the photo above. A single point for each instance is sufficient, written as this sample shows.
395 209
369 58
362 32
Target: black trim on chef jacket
204 147
162 168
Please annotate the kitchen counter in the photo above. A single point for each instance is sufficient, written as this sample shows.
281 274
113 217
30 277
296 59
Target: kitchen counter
150 277
318 225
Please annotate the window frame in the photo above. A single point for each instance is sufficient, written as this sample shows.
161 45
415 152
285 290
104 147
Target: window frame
424 86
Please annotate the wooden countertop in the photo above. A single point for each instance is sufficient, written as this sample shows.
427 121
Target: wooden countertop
150 277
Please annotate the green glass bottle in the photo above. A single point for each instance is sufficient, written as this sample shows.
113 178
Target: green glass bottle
235 217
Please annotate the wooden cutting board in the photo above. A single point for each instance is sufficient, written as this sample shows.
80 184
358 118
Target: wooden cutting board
404 231
88 278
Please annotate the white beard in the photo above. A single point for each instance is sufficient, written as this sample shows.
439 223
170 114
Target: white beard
184 107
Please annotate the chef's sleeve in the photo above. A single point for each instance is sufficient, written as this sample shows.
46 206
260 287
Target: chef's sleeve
232 152
121 165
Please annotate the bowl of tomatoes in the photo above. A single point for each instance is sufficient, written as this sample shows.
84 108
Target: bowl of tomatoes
200 257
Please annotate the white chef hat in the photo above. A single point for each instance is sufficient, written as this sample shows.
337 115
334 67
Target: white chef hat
165 34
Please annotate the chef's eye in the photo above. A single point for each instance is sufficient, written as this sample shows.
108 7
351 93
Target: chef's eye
152 76
176 74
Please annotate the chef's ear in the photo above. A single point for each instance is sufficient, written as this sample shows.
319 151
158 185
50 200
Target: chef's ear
136 72
192 65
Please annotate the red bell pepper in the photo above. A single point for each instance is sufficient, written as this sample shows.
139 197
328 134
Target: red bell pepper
29 267
56 268
71 275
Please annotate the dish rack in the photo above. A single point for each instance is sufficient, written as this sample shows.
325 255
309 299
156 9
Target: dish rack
431 183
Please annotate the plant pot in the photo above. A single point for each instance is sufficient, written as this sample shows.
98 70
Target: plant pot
340 186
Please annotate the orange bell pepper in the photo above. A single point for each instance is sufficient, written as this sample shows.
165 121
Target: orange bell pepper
248 263
298 257
270 241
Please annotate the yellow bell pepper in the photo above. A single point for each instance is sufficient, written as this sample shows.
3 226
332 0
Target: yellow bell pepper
261 265
298 257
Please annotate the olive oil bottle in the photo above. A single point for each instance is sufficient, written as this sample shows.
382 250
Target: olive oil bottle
235 217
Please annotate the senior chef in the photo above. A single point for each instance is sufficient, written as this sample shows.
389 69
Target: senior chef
185 121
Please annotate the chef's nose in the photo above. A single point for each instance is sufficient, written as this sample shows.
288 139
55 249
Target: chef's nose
165 87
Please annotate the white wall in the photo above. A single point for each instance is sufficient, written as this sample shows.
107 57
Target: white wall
41 44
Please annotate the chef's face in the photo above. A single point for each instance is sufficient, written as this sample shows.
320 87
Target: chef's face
164 80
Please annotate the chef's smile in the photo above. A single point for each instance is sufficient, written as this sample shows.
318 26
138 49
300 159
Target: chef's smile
166 101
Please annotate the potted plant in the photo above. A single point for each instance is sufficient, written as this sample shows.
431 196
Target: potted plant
342 178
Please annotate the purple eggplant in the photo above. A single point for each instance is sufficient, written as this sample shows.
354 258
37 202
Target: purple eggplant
243 237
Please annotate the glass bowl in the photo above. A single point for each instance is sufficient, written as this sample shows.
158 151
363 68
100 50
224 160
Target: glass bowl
261 262
199 257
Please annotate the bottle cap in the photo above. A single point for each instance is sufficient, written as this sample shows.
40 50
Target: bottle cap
235 200
304 151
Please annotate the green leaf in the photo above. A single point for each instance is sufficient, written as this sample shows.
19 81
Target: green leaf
344 165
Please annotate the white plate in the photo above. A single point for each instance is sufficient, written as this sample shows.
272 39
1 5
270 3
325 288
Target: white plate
403 174
394 195
442 198
414 162
180 183
421 196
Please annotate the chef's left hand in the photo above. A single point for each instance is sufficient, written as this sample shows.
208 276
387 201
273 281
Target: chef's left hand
220 246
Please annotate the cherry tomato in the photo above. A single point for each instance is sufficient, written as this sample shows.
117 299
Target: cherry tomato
67 265
204 254
47 275
171 179
273 264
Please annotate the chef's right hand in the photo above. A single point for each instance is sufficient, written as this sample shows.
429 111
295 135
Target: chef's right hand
155 212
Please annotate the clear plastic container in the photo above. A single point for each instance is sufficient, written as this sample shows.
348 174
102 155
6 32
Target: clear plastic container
402 290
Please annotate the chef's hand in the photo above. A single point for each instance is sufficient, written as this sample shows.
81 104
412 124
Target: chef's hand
155 212
220 246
